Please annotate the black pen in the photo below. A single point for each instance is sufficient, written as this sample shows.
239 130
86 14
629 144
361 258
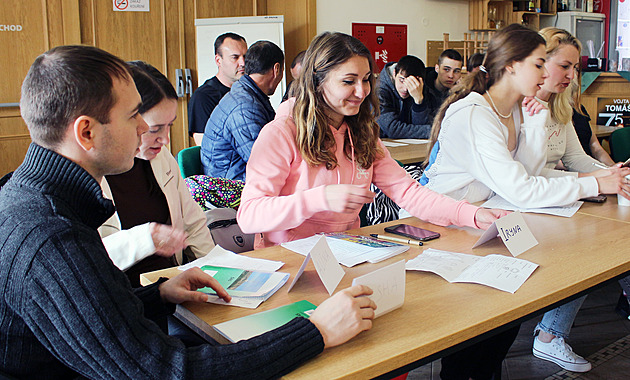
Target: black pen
397 240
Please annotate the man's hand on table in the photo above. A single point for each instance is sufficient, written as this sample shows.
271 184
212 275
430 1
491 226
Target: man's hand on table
184 287
344 315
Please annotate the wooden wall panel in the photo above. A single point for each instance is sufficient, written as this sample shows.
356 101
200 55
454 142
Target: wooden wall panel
20 47
299 26
131 35
41 25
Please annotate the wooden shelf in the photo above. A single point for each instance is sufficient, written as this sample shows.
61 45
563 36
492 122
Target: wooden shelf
481 14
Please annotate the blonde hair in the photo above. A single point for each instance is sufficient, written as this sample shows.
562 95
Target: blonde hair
512 43
560 104
315 140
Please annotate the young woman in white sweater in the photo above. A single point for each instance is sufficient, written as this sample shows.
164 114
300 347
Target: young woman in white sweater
482 144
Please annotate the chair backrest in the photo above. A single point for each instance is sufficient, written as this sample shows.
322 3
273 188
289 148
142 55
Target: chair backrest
620 145
189 161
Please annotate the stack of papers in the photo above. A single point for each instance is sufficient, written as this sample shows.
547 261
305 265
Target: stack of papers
247 288
350 250
224 258
498 271
567 211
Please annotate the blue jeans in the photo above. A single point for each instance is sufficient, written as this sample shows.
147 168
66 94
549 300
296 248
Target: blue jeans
625 285
558 321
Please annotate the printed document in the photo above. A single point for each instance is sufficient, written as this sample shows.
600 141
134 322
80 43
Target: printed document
497 271
350 250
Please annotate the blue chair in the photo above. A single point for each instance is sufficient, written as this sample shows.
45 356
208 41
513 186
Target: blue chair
620 145
189 161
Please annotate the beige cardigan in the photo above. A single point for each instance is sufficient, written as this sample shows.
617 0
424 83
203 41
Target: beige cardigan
127 247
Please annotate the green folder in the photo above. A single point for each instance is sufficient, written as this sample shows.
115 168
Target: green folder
259 323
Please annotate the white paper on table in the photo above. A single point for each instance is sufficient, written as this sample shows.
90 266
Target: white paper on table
221 257
515 233
388 286
326 265
392 144
249 303
412 141
566 211
349 253
447 265
497 271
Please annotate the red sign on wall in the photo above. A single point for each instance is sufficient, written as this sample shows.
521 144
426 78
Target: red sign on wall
387 42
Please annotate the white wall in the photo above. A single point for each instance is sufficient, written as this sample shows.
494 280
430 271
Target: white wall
425 19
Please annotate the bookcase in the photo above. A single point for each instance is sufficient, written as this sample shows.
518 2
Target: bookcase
494 14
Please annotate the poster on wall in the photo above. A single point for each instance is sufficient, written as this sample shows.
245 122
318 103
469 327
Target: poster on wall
387 42
613 111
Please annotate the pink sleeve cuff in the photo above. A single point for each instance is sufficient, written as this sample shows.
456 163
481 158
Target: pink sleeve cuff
467 214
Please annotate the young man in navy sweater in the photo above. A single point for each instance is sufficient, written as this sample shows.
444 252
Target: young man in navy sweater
66 310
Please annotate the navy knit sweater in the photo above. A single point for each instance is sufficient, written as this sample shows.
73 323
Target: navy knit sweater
66 309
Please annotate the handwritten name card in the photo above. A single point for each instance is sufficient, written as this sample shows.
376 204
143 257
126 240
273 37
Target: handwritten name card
514 232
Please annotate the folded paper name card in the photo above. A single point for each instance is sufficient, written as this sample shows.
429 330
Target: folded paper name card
514 232
326 266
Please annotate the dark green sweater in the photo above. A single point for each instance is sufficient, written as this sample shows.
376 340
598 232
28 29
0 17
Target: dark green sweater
66 309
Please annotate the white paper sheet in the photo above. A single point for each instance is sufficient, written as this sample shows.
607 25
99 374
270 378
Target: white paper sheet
224 258
497 271
350 250
413 141
565 211
388 286
248 303
392 144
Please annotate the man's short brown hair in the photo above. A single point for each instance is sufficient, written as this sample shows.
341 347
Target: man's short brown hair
67 82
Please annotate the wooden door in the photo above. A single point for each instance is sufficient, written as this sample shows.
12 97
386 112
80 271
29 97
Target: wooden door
30 27
152 36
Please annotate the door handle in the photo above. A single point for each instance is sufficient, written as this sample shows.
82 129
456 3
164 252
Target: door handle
189 86
179 83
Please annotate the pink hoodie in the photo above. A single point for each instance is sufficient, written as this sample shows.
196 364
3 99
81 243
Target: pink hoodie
284 197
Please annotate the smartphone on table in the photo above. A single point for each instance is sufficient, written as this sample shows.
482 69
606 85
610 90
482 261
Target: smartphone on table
412 232
596 199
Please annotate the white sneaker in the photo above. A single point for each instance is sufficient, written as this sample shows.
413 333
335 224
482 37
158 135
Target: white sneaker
562 354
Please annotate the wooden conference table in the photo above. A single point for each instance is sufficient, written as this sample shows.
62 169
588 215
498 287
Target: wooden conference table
409 153
574 255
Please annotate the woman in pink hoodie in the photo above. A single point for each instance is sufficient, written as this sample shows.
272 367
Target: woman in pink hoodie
311 168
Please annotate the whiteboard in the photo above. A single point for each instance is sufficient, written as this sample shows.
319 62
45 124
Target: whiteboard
253 29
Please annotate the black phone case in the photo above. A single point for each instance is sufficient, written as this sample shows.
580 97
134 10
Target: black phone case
392 230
